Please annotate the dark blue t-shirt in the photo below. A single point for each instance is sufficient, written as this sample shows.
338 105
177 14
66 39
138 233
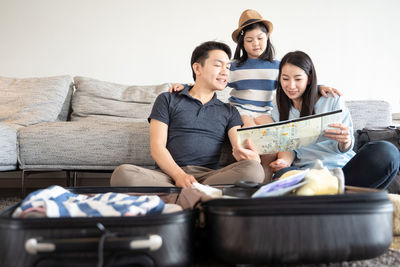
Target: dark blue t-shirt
196 132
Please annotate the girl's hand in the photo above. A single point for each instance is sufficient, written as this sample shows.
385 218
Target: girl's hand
176 87
341 134
325 90
279 164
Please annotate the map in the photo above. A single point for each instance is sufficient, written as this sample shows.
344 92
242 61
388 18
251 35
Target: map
290 134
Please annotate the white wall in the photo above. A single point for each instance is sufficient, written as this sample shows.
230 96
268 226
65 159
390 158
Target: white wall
355 44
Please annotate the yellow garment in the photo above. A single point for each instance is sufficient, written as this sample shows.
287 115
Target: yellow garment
320 181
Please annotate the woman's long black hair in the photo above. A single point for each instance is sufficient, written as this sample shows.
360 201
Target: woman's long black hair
240 53
310 95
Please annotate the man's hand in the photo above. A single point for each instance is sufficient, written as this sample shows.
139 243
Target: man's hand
185 180
250 152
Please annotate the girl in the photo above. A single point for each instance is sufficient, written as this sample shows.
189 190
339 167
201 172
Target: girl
297 96
254 70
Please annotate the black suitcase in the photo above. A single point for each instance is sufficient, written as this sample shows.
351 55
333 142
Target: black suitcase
151 240
298 229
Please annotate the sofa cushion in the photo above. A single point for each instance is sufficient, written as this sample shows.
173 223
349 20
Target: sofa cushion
8 145
106 100
86 145
66 109
27 101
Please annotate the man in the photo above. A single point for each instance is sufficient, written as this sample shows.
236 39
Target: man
188 128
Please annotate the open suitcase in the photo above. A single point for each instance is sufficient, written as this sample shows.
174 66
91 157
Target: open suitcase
285 229
150 240
298 229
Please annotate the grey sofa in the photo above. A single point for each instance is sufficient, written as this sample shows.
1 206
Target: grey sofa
80 124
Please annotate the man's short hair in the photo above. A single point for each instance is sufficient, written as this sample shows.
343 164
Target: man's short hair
201 53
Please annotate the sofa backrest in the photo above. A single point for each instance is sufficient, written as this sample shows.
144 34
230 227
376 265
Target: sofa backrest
95 99
28 101
66 109
369 113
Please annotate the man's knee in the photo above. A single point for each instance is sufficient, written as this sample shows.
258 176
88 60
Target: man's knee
123 175
252 171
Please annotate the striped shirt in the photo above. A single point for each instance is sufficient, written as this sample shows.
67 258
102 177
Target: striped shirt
253 85
56 201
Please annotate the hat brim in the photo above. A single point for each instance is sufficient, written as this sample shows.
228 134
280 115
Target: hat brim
267 24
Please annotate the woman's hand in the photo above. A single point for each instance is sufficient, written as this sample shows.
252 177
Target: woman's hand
176 87
325 90
341 134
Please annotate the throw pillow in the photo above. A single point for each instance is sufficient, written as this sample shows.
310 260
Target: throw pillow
27 101
105 100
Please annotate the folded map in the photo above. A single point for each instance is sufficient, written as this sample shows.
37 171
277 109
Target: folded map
290 134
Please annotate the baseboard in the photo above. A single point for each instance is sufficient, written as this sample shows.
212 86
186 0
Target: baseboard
10 182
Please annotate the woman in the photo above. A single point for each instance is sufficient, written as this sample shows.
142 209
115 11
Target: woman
374 165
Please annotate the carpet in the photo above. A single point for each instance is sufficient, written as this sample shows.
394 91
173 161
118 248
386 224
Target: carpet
389 258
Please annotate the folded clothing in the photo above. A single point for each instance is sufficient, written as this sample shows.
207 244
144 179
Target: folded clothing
56 201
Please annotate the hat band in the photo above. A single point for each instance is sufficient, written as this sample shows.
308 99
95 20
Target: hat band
250 21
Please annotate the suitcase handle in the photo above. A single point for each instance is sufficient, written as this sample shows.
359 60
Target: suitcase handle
37 245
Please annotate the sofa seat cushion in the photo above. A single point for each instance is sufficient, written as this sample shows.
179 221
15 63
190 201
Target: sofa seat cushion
86 145
8 145
28 101
110 101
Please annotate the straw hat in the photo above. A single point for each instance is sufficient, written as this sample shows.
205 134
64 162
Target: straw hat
247 18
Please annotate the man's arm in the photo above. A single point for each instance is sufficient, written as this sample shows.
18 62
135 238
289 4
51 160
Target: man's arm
239 152
161 155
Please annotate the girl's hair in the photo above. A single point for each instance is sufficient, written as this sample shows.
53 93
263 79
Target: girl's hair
241 54
310 95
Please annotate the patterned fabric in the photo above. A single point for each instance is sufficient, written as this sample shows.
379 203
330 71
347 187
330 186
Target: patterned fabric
55 202
105 100
8 148
30 101
253 85
85 144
